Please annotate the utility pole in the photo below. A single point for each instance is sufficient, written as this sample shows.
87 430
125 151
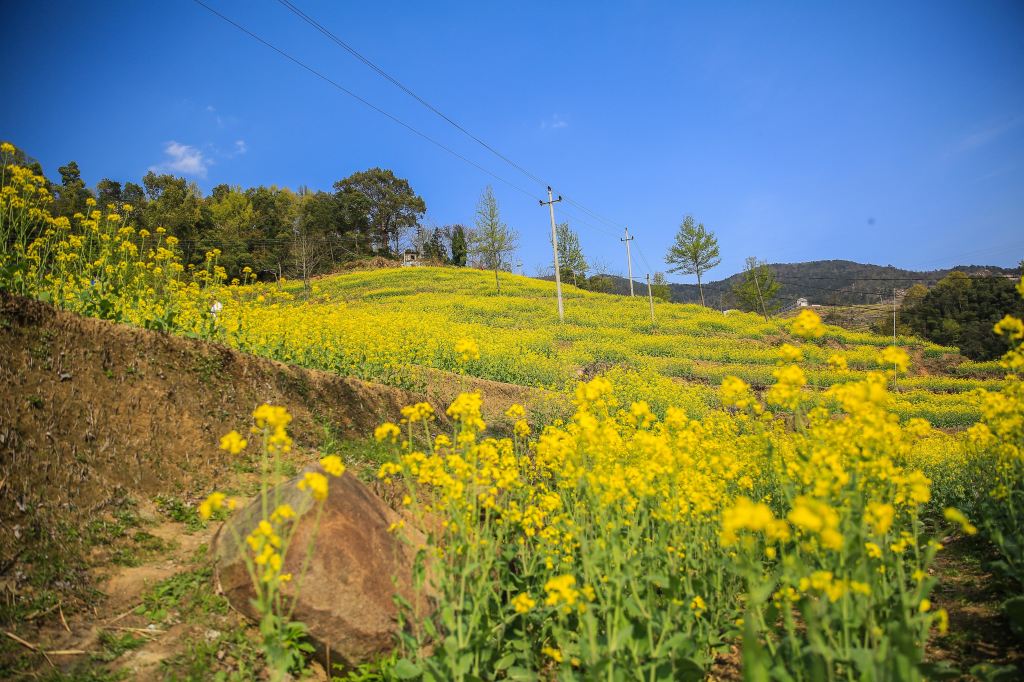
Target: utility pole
629 261
650 295
554 247
895 369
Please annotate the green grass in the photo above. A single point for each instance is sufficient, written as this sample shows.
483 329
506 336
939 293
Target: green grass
113 645
231 656
182 596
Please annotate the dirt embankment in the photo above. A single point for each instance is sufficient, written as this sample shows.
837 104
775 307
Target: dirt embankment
92 411
90 405
109 436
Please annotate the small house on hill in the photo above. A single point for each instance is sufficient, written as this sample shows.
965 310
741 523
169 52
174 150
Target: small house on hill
410 258
801 302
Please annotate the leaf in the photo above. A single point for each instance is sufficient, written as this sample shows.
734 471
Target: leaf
622 637
688 670
991 673
465 662
406 670
659 580
1014 610
505 661
940 670
428 627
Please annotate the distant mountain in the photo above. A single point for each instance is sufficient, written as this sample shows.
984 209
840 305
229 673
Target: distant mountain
825 282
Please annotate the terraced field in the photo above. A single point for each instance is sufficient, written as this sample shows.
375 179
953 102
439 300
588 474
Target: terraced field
388 325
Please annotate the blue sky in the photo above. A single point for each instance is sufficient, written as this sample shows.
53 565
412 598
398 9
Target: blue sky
889 133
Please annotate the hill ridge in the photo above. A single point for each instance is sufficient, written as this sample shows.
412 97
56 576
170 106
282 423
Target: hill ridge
827 282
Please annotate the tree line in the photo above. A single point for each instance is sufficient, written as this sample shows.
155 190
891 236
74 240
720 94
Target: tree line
279 231
961 311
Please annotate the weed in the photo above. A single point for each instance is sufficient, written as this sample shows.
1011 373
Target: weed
231 656
85 672
177 510
364 455
113 646
182 595
377 671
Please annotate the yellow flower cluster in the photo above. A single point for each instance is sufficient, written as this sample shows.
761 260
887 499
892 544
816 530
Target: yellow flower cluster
617 510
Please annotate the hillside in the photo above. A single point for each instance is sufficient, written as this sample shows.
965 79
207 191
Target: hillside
114 432
108 441
826 282
679 359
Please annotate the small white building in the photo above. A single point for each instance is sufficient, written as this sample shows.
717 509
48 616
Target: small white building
801 302
410 258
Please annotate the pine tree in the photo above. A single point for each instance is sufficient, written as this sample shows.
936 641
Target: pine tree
460 248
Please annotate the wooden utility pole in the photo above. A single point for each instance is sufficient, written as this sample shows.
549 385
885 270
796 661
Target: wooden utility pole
895 369
629 261
554 247
650 295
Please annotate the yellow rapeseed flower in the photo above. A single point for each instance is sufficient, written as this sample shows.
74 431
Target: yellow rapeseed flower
315 483
808 325
891 355
467 349
232 442
958 517
523 603
333 465
387 431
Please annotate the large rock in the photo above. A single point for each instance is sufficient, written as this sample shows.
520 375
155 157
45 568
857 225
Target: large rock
346 597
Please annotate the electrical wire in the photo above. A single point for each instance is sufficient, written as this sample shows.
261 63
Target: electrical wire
292 7
360 99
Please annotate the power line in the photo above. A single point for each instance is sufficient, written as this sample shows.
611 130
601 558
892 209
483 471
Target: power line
355 53
392 117
360 99
448 119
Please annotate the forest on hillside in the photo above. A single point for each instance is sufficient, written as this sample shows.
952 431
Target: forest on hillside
825 282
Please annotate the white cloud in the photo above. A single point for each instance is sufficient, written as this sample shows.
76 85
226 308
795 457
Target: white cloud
241 147
183 159
554 123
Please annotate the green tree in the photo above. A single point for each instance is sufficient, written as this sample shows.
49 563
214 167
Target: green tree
108 192
460 247
177 205
72 192
571 262
694 252
601 283
132 193
233 229
961 310
660 288
758 289
493 241
274 211
434 249
388 205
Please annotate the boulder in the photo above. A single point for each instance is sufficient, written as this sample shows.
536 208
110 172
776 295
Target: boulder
346 597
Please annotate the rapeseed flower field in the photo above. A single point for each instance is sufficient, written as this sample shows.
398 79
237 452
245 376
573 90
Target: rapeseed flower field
388 325
721 480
